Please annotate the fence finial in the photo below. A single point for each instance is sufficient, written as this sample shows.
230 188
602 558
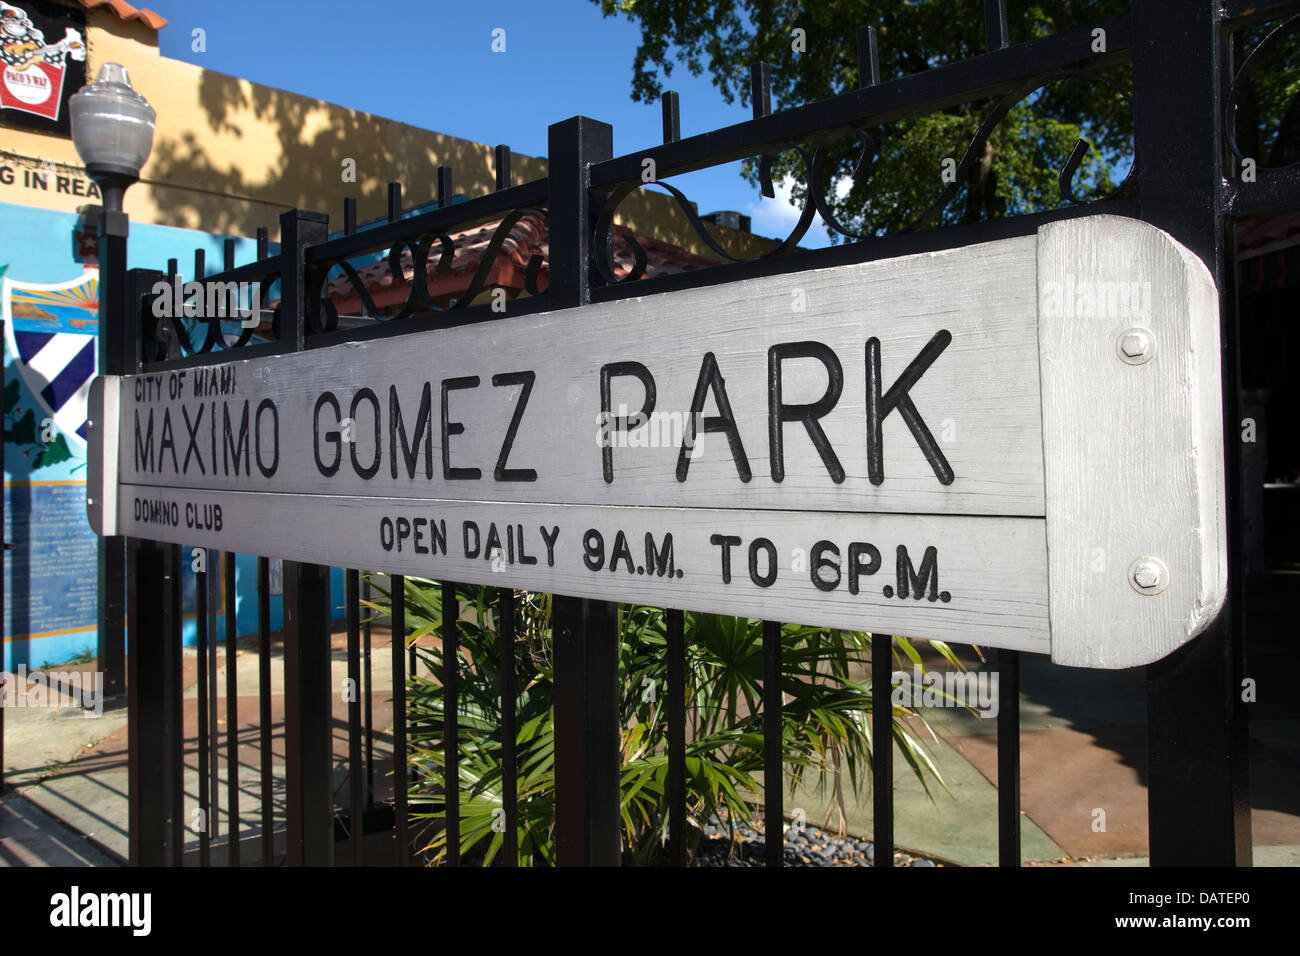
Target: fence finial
760 88
996 34
444 186
868 58
671 104
502 155
394 202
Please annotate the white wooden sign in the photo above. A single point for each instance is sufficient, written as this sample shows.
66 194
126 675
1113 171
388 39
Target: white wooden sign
1015 444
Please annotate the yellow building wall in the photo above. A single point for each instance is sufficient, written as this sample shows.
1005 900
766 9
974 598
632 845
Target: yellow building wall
230 155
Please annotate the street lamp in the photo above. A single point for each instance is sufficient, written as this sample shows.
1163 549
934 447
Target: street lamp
112 128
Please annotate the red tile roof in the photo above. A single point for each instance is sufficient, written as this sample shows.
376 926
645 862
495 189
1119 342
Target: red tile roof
125 11
528 237
1262 232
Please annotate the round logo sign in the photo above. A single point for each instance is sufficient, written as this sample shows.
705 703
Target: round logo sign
30 86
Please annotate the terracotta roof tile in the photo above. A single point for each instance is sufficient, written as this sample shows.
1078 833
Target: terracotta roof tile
125 11
1261 232
528 237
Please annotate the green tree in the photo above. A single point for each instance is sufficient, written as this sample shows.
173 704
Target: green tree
1016 171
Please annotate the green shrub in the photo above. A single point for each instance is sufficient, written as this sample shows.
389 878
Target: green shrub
826 734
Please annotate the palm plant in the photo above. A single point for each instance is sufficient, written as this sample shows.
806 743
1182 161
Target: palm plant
826 720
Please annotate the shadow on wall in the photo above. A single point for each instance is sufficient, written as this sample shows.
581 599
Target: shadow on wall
309 144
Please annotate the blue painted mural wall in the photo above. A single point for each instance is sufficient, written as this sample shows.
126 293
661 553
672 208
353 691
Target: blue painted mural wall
50 571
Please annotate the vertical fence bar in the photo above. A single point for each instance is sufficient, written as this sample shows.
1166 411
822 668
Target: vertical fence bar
232 711
368 679
308 740
356 789
1196 720
443 177
996 33
587 760
201 705
882 749
308 736
264 707
450 728
509 790
587 738
212 580
1008 664
773 772
676 651
153 687
868 57
671 105
502 164
117 344
400 757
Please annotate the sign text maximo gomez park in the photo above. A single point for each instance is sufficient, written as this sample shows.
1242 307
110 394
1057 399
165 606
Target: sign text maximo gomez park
1016 444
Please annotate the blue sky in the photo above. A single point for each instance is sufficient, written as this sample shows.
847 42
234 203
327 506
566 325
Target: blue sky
430 63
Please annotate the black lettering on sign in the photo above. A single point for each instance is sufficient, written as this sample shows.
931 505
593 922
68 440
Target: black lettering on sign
769 549
492 547
819 561
711 379
611 423
267 470
166 441
326 398
466 528
372 469
914 581
878 408
423 432
622 552
144 448
550 543
231 446
192 448
524 557
450 428
726 542
501 472
778 412
593 550
859 550
659 562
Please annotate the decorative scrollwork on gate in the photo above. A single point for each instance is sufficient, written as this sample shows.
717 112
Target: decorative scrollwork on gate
414 252
816 155
1240 81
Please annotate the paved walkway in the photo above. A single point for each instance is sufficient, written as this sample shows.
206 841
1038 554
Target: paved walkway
1083 792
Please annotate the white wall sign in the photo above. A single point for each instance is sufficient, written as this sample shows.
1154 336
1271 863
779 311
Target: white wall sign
1016 444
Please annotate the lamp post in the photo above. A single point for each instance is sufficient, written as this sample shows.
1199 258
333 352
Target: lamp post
112 128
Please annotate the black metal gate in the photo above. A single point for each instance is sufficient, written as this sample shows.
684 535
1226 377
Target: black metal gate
1184 58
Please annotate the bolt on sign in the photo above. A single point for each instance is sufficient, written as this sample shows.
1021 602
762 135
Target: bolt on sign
1016 443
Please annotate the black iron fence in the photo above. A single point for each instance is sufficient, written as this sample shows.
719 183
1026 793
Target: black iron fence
1184 62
